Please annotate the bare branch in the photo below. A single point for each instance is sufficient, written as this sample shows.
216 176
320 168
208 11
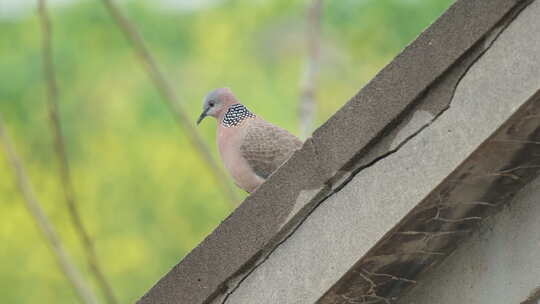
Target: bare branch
34 208
306 107
169 96
59 145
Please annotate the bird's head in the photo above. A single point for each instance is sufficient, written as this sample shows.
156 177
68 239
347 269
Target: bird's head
216 103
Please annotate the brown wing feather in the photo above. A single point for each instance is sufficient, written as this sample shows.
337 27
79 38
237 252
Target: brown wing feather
266 147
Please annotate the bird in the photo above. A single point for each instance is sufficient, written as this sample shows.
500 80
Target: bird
250 148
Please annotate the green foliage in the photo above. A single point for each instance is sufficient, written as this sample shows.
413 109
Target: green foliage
145 195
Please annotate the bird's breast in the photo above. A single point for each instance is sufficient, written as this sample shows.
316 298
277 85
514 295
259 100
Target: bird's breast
229 141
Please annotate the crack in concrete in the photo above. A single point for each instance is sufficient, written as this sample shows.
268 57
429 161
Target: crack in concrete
405 253
369 294
393 277
450 205
489 39
427 237
438 217
334 191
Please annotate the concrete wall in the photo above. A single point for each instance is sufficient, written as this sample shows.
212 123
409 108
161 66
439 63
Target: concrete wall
499 264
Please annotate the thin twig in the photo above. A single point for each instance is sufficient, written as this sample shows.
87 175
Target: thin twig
59 145
34 208
306 107
170 97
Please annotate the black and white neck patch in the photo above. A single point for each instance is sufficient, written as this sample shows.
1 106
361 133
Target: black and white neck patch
236 113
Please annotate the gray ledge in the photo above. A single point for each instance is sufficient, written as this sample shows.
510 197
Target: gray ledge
388 186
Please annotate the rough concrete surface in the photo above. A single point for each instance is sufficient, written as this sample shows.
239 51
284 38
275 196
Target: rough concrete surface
348 224
499 264
245 247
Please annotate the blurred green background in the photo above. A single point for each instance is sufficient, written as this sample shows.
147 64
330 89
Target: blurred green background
144 194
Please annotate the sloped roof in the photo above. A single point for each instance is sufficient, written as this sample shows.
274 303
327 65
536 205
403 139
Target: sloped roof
399 107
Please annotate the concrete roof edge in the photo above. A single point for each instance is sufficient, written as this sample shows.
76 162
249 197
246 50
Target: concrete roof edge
270 214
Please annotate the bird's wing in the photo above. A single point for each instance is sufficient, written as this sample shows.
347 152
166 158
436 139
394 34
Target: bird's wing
265 147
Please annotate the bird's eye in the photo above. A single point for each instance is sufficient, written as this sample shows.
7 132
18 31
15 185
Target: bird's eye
211 104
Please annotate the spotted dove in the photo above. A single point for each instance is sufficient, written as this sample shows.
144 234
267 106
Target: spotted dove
250 148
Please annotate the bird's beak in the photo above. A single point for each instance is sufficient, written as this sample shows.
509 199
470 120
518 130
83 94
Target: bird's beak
203 115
